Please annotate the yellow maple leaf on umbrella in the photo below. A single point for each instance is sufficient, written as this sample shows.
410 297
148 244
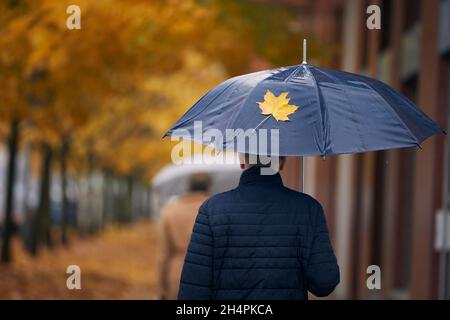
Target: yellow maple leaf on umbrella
278 107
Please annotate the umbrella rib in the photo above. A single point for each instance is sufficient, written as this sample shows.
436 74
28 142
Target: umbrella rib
322 111
175 126
293 73
233 119
392 110
350 103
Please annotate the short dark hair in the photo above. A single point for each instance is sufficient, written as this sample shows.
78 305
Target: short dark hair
199 182
260 161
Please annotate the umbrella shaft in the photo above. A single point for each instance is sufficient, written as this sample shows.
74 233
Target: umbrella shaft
303 174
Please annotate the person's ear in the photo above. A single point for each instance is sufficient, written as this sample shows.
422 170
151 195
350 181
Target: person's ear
242 165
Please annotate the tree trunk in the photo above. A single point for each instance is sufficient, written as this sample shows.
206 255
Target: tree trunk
129 199
45 196
64 201
41 227
91 227
108 197
8 224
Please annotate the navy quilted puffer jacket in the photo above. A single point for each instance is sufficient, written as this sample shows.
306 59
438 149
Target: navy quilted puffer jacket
259 241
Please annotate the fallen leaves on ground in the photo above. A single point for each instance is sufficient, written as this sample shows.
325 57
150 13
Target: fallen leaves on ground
118 263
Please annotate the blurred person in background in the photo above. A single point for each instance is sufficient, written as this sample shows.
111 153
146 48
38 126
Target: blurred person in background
260 240
177 220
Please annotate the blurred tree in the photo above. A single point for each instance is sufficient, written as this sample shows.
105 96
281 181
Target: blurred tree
100 98
15 102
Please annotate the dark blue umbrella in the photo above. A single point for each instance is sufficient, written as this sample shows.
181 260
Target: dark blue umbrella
318 111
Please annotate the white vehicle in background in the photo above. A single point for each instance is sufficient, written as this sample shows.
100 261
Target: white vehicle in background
173 180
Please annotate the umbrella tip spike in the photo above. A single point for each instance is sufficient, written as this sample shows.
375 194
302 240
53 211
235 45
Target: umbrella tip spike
304 52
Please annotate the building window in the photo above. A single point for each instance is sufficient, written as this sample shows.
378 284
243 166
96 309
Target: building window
412 13
364 40
404 219
444 275
386 13
378 218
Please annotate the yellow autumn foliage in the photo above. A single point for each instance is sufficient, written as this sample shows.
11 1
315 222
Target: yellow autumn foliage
114 87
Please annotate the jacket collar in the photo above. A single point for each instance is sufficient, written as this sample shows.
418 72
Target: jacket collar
253 174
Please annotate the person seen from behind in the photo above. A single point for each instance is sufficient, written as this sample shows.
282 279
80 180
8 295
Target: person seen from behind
177 220
260 240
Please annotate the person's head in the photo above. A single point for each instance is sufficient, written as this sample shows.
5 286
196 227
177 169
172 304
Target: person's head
199 182
250 160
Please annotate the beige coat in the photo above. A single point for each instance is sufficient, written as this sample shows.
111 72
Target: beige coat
177 221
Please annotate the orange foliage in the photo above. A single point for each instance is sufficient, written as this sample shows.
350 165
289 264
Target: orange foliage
118 263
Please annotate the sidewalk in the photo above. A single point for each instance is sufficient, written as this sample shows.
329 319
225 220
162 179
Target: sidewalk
119 263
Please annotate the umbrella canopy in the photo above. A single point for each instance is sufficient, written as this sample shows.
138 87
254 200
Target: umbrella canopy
317 112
